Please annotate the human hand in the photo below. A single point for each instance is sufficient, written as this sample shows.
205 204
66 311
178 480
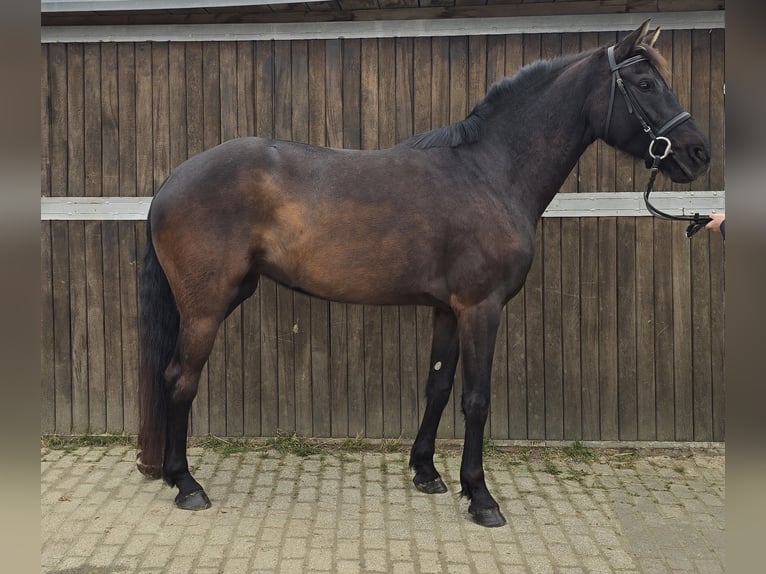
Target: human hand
716 219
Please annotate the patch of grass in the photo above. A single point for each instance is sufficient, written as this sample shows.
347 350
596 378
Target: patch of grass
287 443
551 468
489 449
357 444
679 469
576 474
226 447
626 459
69 443
579 452
383 468
391 445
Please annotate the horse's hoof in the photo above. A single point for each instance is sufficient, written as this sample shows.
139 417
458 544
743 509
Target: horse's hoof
489 517
149 471
435 486
196 500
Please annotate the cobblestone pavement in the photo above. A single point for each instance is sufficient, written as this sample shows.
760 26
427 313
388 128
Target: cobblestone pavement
358 512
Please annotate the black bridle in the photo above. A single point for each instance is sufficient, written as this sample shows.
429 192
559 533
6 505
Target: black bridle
656 135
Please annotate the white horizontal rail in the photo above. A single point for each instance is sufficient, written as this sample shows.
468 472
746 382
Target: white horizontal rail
382 28
600 204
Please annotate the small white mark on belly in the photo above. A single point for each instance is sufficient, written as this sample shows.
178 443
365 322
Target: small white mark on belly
438 365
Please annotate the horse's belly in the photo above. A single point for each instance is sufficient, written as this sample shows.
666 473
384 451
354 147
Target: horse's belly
359 279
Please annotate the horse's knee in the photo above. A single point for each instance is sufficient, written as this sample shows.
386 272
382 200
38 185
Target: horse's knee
475 405
185 389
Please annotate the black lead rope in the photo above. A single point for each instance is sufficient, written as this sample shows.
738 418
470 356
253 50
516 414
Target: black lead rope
697 221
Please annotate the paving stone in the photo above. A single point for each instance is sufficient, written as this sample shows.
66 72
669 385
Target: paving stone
359 513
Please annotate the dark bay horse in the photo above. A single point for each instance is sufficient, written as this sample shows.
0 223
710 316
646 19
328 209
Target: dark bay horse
446 219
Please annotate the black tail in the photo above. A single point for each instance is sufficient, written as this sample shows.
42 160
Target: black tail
158 328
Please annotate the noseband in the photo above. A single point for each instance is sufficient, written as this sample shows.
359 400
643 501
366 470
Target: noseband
656 135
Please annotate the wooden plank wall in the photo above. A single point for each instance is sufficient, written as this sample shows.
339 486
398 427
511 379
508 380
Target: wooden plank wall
617 335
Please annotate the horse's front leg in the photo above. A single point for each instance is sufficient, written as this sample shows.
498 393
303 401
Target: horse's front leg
478 330
444 357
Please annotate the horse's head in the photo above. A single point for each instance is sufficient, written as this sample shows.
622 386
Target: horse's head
635 110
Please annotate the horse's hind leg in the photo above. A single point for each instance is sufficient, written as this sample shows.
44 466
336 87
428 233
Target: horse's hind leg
444 357
195 342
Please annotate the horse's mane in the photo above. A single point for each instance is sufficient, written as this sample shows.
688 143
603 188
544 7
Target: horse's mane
529 77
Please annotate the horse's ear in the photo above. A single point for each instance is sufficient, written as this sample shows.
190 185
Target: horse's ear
630 43
650 40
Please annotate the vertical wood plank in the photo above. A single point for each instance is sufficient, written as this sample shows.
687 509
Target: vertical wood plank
160 112
339 383
93 243
177 104
322 399
607 327
118 125
626 329
47 375
302 305
77 262
682 335
134 104
645 325
664 329
589 328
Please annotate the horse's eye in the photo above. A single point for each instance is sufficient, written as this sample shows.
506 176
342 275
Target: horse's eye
645 85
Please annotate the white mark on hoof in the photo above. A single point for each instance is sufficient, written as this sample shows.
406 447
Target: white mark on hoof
438 365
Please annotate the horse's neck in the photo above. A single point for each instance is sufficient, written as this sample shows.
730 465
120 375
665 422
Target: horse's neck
543 136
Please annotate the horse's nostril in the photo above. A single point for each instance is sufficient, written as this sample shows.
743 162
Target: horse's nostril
700 154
